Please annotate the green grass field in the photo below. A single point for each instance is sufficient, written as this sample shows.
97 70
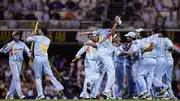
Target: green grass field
78 100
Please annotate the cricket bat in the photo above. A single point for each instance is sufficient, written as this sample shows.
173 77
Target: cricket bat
32 44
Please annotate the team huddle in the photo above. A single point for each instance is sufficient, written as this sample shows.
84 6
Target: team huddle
146 58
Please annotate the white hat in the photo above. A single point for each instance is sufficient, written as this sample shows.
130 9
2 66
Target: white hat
139 30
116 35
131 34
15 32
93 35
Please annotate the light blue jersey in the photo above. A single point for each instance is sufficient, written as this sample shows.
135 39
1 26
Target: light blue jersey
167 53
145 43
117 49
167 78
160 47
138 50
91 52
41 45
16 50
104 55
41 63
105 40
119 70
160 64
146 70
131 68
90 66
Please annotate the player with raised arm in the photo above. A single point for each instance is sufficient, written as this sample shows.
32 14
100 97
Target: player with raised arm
104 51
41 62
15 49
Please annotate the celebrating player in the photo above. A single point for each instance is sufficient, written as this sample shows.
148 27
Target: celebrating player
15 49
41 63
90 63
118 60
146 70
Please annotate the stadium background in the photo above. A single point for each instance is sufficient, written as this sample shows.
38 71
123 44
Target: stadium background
65 19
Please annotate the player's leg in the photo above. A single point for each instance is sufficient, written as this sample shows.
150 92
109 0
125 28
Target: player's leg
88 73
130 80
158 75
84 92
100 70
48 71
10 93
141 74
167 78
151 64
120 79
12 86
93 75
135 69
114 91
37 65
108 63
15 83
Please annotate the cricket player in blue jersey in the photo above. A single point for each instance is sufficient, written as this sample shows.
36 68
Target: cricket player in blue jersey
15 49
104 51
90 63
146 70
160 64
41 63
131 60
118 65
116 54
167 78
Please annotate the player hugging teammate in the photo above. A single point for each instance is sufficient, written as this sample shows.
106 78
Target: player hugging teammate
146 58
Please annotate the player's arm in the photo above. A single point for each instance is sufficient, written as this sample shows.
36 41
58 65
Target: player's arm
134 50
117 21
1 50
27 50
32 37
91 44
80 52
86 33
150 48
6 48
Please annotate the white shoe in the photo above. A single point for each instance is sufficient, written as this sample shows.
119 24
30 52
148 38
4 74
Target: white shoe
9 97
107 94
86 97
22 97
119 98
148 97
40 97
143 95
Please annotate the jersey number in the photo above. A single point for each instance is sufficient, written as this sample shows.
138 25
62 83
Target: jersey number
43 48
101 39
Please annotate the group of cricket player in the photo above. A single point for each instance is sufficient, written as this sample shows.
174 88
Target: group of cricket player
40 63
145 58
